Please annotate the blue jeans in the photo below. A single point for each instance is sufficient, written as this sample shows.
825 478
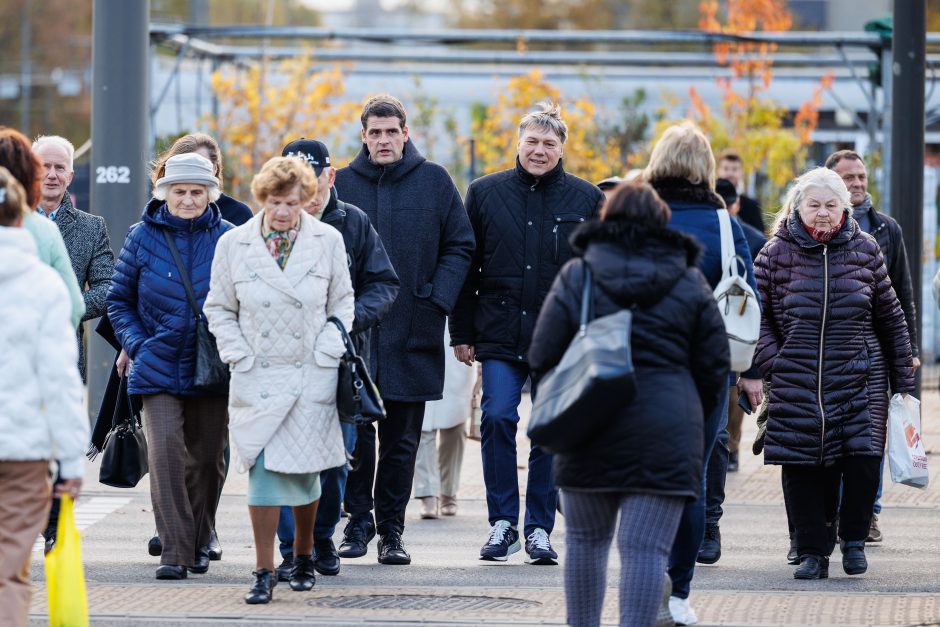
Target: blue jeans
332 487
502 392
881 480
692 526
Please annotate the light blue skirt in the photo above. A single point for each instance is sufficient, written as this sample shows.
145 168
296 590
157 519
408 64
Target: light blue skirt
267 488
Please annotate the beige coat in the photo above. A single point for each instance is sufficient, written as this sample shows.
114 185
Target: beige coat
271 329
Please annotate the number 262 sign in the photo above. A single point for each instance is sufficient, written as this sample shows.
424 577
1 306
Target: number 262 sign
112 174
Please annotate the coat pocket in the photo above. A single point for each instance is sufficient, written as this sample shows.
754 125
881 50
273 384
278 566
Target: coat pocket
427 327
494 317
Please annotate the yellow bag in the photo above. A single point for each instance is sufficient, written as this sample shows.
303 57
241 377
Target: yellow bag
65 576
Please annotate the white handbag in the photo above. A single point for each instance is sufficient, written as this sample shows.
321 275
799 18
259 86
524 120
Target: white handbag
737 302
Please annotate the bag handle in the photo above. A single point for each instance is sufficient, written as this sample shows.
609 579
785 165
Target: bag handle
347 341
587 291
184 276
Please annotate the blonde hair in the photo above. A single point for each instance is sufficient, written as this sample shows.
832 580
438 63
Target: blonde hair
12 199
548 118
817 177
682 152
280 175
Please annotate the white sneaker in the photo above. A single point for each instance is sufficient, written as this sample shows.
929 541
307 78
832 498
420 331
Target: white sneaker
681 612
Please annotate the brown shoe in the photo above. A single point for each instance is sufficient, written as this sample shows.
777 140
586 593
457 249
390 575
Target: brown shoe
429 507
448 505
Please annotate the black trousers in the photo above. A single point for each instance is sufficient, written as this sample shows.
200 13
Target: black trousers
392 476
812 499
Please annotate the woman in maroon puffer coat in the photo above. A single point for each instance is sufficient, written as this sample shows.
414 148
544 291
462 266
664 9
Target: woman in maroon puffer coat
833 343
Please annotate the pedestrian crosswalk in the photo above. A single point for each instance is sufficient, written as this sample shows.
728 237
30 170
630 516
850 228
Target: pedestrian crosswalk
89 511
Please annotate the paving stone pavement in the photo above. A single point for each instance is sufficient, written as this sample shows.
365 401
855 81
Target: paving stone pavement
447 585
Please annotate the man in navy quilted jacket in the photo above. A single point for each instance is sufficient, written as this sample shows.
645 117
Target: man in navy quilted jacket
522 219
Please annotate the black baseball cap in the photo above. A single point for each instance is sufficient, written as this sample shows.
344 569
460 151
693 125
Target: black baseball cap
727 191
312 151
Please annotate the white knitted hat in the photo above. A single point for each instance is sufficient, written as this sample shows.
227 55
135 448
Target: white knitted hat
188 167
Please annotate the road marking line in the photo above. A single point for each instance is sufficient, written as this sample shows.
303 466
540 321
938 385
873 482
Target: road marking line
89 512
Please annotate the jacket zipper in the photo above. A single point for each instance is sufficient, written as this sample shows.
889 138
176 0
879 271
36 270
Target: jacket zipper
822 338
555 233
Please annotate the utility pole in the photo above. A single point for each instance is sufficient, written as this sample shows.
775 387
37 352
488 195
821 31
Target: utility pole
26 69
907 134
119 154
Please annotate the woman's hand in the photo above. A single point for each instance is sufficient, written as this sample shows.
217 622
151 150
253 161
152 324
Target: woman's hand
754 388
123 361
464 353
72 487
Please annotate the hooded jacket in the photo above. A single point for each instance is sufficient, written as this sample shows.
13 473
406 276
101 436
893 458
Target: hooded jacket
680 356
416 210
147 302
832 337
522 225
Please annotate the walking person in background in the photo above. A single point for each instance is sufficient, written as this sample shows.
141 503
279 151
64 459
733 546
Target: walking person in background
682 171
42 414
148 307
680 356
443 435
417 212
276 280
887 232
833 339
522 219
375 286
731 168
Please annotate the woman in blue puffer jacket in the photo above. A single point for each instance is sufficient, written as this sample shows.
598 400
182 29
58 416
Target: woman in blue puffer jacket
152 318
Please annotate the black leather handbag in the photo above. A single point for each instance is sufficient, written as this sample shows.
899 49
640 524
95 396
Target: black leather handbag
593 380
357 399
211 374
124 461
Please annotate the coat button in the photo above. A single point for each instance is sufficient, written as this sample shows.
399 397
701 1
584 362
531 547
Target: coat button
528 267
297 364
253 275
518 356
264 334
296 336
298 304
530 222
266 304
265 364
264 395
524 312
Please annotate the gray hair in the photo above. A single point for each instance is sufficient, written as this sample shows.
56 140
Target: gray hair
61 142
547 117
160 191
817 177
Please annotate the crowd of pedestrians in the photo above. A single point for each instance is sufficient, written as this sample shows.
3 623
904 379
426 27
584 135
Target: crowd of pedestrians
388 251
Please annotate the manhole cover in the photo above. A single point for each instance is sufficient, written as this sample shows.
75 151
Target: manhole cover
422 602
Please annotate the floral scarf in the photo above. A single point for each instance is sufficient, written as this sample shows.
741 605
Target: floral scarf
280 243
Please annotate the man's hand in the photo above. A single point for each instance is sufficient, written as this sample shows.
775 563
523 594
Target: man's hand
916 364
123 361
72 487
754 388
464 353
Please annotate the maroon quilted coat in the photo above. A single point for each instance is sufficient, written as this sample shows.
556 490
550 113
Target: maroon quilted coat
833 336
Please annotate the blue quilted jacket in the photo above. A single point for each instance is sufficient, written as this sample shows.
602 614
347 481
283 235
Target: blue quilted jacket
147 302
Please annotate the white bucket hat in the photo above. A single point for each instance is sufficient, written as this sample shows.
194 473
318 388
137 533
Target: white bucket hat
188 167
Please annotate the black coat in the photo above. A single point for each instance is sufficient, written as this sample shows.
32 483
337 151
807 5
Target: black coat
751 213
233 211
832 338
522 225
680 355
417 211
373 278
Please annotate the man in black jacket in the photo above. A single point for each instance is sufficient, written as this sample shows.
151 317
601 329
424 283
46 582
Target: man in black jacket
849 165
522 219
415 207
376 285
731 167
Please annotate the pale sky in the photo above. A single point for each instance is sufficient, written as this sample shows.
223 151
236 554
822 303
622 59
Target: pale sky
342 5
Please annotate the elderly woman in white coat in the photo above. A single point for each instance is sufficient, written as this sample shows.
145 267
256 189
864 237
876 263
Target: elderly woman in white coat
275 281
440 452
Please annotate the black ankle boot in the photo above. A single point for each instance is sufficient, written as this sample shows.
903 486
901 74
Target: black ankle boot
302 576
793 555
260 592
853 557
812 567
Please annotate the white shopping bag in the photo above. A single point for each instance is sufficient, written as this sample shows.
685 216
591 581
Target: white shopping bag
906 453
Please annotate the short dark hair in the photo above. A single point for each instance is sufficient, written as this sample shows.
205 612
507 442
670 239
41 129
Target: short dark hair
17 156
833 159
383 106
729 155
636 202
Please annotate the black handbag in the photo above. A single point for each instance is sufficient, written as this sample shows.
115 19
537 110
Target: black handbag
357 399
593 380
124 461
211 373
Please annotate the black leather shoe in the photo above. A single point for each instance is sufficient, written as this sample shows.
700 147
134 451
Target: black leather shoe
853 557
283 571
215 549
260 592
392 550
326 560
793 555
711 546
155 546
356 537
171 571
200 561
302 574
49 544
812 567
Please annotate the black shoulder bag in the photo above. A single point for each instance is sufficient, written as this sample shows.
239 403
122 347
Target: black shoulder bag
211 374
125 460
357 399
593 380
